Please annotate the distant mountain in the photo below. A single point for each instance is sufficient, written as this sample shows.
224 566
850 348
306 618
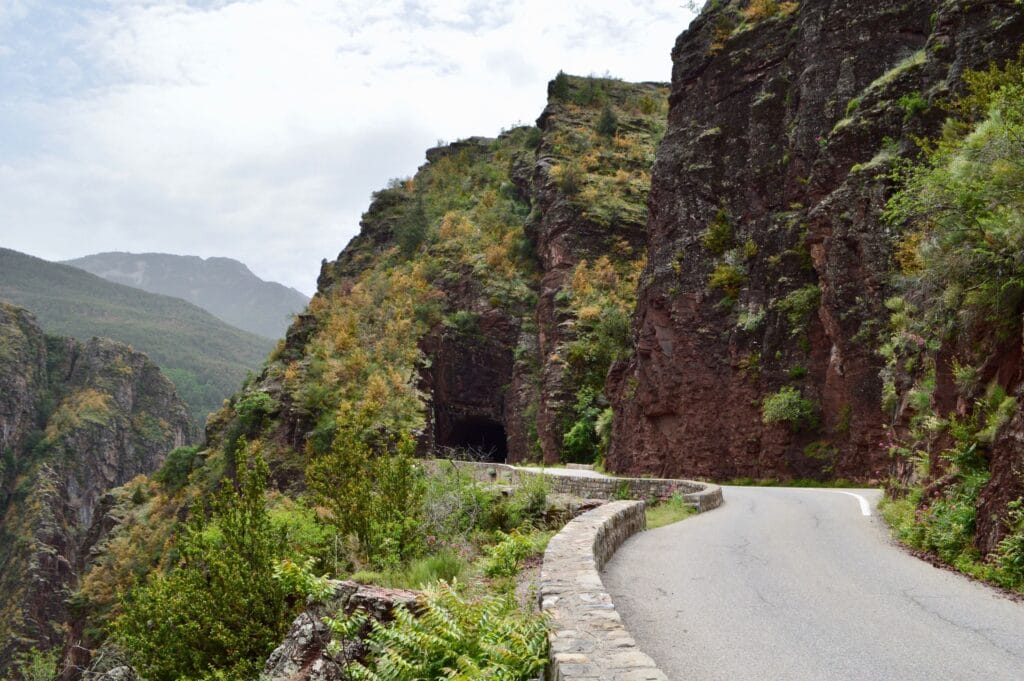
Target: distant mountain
206 358
223 287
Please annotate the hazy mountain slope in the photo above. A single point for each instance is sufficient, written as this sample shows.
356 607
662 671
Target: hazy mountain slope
206 358
223 287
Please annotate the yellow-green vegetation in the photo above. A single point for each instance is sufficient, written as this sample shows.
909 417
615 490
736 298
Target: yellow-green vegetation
85 406
603 136
458 219
602 298
669 511
727 278
36 665
798 306
913 61
720 235
788 406
758 10
962 208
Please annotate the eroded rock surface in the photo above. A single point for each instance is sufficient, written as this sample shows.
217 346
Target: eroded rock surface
768 261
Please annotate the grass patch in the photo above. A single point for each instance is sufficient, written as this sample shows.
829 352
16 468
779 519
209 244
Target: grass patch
672 510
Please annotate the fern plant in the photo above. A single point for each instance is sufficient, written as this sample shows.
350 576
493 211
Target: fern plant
448 637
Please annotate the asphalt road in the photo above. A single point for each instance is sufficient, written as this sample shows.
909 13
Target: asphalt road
794 584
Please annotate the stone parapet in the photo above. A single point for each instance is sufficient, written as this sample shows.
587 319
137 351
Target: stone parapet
701 495
588 639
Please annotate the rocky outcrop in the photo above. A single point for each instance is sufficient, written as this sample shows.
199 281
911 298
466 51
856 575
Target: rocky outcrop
572 228
512 250
304 655
768 261
77 418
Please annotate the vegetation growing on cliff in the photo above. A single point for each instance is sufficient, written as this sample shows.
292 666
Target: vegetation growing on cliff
963 282
602 134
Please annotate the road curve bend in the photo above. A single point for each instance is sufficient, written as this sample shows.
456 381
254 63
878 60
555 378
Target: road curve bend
799 584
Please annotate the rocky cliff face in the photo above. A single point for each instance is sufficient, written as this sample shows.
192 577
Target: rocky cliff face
484 298
76 419
768 261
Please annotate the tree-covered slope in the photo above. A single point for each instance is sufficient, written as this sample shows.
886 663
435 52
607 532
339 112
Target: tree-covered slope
223 287
206 358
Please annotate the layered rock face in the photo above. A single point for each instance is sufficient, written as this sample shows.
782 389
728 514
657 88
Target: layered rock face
76 419
768 261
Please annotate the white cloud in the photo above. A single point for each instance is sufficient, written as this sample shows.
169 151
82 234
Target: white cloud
257 129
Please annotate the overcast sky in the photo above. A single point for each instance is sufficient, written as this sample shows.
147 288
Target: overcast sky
256 129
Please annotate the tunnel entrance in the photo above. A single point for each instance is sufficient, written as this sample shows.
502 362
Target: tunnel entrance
484 438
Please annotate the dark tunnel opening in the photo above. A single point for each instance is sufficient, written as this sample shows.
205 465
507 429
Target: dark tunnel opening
484 438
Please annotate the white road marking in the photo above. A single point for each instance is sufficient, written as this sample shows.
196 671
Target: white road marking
865 507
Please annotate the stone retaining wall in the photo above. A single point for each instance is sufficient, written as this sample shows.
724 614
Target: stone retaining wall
588 640
702 496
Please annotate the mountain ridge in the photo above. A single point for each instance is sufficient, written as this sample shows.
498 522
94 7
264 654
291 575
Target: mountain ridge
224 287
206 358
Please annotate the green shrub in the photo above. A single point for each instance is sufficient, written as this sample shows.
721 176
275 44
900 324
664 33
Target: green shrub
373 494
963 205
580 443
411 230
798 305
37 665
729 279
297 579
571 178
505 557
253 409
912 104
590 93
454 505
530 498
451 637
788 406
559 88
608 123
1010 552
720 235
173 474
220 609
465 322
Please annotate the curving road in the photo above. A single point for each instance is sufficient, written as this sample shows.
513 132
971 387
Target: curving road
793 584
